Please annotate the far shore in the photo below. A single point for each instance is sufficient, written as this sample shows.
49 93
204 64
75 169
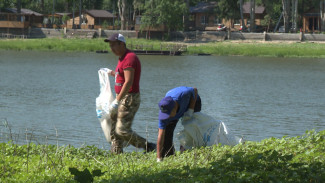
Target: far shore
223 48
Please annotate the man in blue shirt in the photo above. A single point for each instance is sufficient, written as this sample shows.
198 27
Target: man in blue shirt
178 102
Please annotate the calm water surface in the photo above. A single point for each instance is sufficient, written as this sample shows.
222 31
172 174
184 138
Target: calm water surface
51 95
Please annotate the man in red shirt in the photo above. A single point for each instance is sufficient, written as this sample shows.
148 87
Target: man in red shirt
127 102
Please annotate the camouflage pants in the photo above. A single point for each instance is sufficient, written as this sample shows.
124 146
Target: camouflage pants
122 122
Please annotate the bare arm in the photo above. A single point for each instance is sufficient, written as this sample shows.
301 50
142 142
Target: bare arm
193 100
160 142
129 77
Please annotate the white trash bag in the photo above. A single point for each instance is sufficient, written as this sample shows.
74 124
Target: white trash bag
203 130
103 101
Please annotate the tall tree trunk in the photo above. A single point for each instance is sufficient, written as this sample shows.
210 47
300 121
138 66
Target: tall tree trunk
42 6
286 13
186 16
80 9
302 13
322 15
53 10
135 7
252 21
242 15
122 12
18 9
73 15
18 6
66 6
294 4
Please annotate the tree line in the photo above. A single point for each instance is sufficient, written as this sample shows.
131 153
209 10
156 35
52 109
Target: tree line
174 14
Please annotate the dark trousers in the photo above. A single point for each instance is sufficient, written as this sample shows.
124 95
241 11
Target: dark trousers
168 147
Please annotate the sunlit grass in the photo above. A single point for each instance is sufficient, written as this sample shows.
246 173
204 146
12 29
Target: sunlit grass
226 48
294 159
314 50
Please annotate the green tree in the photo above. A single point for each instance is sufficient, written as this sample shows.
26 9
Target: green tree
273 10
228 9
7 4
65 18
164 12
171 14
149 17
110 5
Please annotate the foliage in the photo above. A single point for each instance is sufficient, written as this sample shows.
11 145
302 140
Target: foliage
294 159
165 12
228 9
65 18
85 176
105 25
273 9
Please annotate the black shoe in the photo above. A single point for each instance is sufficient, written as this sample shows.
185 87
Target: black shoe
150 147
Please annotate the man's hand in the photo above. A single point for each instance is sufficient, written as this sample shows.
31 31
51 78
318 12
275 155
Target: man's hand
188 114
109 71
114 106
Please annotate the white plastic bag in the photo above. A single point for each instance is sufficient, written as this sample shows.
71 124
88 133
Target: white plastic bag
203 130
103 101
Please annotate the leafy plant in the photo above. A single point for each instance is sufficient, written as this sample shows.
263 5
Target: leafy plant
85 176
289 159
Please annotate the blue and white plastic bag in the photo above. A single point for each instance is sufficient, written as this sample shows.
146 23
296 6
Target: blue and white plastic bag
203 130
103 102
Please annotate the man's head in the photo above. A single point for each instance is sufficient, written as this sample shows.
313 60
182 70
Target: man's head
117 44
167 108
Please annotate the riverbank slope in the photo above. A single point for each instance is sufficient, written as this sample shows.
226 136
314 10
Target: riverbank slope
225 48
294 159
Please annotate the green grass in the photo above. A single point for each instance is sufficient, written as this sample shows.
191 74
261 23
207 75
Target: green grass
226 48
68 45
312 50
294 159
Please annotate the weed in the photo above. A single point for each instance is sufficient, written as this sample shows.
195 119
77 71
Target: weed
294 159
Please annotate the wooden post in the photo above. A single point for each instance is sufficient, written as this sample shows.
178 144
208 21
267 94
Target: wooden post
304 24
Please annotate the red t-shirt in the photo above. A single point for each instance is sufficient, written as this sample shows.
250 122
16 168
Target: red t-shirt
129 60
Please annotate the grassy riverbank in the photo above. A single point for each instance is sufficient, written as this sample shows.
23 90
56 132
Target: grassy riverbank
226 48
295 159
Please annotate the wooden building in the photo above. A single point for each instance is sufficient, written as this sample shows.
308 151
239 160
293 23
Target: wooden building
259 15
93 19
311 21
26 18
204 17
18 23
57 19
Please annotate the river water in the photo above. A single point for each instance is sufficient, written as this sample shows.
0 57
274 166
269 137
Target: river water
49 97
